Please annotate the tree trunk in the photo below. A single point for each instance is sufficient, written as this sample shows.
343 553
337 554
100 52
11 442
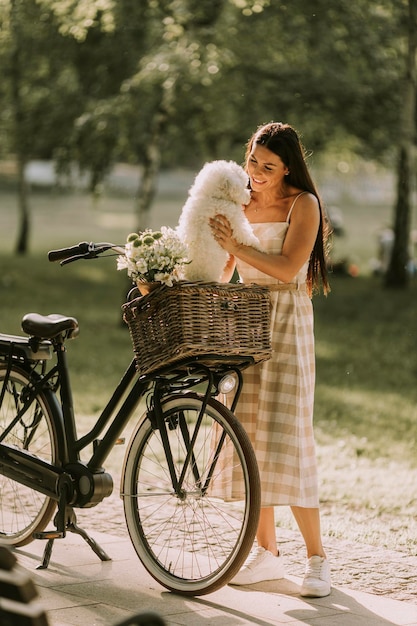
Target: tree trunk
152 160
151 166
19 132
22 244
397 274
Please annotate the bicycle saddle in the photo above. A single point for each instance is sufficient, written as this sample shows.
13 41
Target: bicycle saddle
49 326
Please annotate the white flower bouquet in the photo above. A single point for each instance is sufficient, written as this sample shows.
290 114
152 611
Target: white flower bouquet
154 256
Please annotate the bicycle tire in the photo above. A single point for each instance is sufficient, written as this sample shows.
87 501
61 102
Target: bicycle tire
195 544
24 511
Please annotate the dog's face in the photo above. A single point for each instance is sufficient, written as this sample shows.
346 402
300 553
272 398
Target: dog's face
223 179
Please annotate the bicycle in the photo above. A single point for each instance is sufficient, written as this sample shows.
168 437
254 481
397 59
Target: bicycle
189 537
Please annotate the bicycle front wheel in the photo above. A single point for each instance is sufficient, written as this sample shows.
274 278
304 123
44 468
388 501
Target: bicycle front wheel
24 511
194 536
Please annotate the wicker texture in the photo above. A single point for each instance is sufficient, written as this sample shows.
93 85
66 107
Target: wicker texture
192 319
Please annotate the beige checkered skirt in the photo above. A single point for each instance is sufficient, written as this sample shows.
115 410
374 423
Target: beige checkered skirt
276 405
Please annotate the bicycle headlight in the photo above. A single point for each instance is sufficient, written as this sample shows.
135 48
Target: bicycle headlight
227 383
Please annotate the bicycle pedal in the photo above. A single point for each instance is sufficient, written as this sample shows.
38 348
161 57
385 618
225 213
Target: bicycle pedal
49 534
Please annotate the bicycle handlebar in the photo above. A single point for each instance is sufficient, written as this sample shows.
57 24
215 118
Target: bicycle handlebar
66 253
82 250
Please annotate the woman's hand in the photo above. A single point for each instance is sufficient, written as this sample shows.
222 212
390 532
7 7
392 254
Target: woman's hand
223 233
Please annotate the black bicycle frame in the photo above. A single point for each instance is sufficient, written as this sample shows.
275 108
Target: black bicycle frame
45 477
48 478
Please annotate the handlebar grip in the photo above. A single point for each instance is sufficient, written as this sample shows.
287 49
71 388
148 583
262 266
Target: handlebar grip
67 253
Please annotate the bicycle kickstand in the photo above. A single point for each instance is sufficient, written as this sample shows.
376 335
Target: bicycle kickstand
60 523
66 520
74 528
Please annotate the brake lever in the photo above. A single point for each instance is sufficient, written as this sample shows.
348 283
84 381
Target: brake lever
94 251
77 257
104 246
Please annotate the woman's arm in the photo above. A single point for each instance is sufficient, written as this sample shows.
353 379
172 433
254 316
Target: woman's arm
298 244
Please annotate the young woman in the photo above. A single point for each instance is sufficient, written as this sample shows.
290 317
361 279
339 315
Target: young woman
276 405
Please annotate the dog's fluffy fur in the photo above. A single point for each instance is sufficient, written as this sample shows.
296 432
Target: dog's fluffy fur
221 187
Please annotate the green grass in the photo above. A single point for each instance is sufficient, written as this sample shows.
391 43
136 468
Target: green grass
367 365
366 345
366 412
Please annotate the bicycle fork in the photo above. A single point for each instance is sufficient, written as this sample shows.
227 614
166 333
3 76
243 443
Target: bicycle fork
189 442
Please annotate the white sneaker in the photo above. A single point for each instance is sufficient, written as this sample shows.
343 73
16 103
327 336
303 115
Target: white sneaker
260 565
316 583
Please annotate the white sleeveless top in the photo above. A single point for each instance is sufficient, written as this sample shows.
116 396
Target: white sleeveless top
271 236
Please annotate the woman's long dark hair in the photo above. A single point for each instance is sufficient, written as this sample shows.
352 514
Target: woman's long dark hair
283 141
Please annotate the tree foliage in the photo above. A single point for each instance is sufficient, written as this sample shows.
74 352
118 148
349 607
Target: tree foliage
164 82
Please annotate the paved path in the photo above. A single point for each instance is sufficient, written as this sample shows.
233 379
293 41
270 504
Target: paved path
79 590
371 586
354 566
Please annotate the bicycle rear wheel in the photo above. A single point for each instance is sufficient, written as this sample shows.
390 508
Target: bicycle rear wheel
195 539
24 511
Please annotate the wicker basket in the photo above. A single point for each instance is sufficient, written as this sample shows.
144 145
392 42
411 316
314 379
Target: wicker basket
192 319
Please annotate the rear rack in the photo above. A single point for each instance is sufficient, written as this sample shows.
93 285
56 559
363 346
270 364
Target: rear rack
25 348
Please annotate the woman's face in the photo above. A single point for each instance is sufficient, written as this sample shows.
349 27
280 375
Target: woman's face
265 168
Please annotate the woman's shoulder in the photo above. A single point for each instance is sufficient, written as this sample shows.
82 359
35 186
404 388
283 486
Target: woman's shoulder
305 198
304 203
302 193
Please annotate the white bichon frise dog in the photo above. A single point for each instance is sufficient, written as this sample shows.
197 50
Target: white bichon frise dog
221 187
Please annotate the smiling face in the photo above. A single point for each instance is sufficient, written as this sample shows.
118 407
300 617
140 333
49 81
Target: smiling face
265 168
